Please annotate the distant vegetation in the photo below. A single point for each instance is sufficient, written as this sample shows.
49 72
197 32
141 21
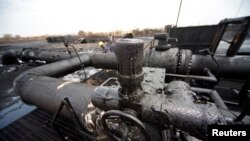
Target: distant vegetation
82 34
136 32
7 38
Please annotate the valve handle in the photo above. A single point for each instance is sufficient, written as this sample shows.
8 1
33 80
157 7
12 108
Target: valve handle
126 117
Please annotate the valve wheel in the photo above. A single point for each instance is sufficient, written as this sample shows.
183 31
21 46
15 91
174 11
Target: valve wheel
126 117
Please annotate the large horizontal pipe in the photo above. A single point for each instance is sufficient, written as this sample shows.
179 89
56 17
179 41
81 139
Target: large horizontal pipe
98 60
57 68
230 67
36 88
47 93
47 56
237 67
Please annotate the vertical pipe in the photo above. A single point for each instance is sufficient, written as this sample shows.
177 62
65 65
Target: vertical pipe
129 54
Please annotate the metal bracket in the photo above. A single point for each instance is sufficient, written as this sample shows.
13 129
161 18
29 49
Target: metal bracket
84 133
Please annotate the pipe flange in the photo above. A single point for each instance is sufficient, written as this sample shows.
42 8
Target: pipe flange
184 64
189 64
178 63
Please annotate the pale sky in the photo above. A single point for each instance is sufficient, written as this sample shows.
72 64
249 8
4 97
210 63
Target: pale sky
46 17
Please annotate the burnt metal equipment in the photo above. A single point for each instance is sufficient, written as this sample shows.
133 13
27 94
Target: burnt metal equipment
127 118
159 109
210 77
238 39
163 93
174 60
129 54
65 102
142 94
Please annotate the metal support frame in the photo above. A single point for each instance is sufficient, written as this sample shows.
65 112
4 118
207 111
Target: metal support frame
65 102
213 94
245 108
238 37
210 76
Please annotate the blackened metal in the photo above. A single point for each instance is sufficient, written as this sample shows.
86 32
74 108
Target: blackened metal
35 54
241 116
183 136
82 64
162 59
184 62
219 34
161 36
105 98
65 102
35 126
245 109
213 94
129 54
167 135
177 108
98 60
234 20
46 93
106 81
103 60
53 69
8 58
154 79
239 37
208 52
230 67
153 83
209 78
52 123
194 38
244 92
162 47
218 100
126 118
